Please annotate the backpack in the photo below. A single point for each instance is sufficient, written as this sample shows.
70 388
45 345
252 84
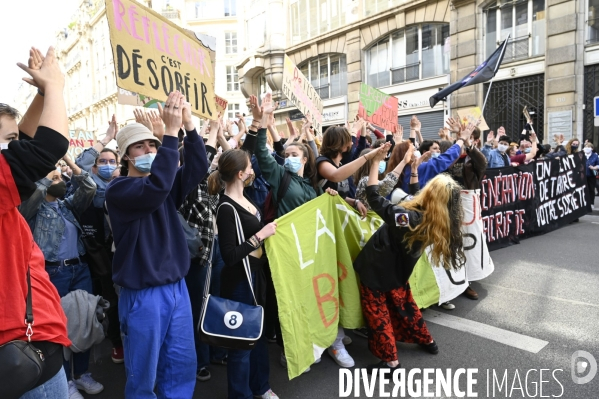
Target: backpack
271 205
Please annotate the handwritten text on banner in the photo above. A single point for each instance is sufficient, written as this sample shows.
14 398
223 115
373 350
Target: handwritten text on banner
154 57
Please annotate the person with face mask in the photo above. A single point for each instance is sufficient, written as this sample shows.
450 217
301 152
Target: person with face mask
300 170
592 162
572 146
497 158
151 256
57 230
101 163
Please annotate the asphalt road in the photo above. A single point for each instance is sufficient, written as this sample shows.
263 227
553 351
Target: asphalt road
545 289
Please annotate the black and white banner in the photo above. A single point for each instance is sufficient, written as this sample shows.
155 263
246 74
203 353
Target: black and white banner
533 199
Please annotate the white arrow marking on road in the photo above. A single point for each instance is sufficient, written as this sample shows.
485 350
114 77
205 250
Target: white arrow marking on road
500 335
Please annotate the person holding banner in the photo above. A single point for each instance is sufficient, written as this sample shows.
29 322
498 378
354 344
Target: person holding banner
572 146
433 218
151 256
592 161
248 371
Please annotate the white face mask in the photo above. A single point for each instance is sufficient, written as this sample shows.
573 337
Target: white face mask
3 146
587 150
502 147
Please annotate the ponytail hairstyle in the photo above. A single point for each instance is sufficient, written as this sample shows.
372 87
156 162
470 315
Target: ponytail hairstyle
440 203
230 163
310 170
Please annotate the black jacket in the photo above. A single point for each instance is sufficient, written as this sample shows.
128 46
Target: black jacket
385 263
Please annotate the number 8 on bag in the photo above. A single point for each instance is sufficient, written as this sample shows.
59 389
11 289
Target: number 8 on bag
233 320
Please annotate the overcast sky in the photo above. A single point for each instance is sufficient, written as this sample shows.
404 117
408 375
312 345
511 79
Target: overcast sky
26 23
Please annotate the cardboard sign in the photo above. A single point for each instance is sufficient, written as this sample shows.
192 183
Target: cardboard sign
378 108
79 140
298 89
472 115
221 104
154 57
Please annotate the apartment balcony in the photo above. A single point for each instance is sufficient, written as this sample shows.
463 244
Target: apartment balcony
171 13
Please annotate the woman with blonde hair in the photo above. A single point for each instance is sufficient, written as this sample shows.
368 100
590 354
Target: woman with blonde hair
433 218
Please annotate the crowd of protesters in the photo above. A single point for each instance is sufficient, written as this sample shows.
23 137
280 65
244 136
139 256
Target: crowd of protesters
113 223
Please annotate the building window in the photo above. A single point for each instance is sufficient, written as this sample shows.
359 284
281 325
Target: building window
593 22
231 42
310 18
200 9
230 8
232 79
328 75
232 109
416 52
524 21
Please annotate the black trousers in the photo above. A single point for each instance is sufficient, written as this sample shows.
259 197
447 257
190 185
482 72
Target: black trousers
591 184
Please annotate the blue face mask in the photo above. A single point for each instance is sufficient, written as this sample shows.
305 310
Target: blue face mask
143 163
527 150
382 166
293 164
435 154
105 171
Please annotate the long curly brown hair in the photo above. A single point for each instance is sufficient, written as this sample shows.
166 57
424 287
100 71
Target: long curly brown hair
440 203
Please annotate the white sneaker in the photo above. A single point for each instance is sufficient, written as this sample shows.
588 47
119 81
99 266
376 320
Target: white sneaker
88 384
283 362
317 360
267 395
342 357
347 340
448 306
73 391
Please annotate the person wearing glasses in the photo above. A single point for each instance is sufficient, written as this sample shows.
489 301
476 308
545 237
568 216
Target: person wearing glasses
102 165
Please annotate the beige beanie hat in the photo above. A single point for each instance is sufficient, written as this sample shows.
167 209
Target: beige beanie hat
133 133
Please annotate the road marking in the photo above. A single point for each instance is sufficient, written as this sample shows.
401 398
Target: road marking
555 298
500 335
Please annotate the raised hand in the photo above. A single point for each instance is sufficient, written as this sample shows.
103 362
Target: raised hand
407 159
143 118
379 154
157 123
255 108
415 123
113 128
423 158
490 137
398 134
268 106
48 74
466 133
292 130
172 114
186 116
454 125
533 137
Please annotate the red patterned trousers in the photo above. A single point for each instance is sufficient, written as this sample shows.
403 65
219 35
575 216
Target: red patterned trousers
392 316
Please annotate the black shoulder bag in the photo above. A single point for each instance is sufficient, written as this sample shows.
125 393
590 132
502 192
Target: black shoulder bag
21 363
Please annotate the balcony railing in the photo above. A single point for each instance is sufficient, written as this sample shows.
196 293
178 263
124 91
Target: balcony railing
405 73
323 91
593 31
517 49
171 13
